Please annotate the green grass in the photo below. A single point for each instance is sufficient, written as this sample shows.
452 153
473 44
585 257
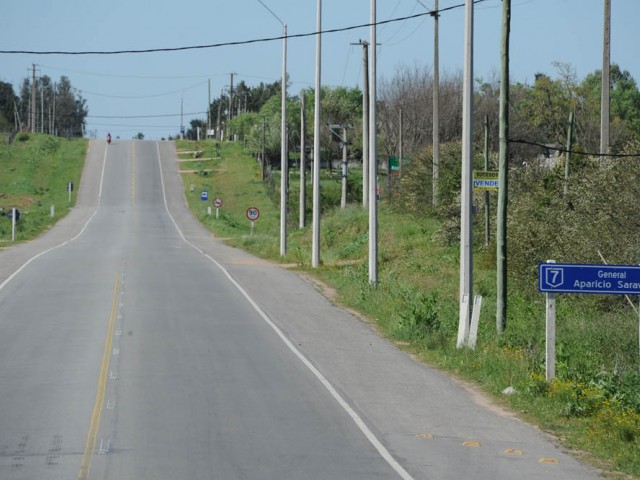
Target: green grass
34 172
594 403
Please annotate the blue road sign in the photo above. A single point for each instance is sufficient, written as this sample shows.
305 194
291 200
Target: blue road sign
204 195
580 278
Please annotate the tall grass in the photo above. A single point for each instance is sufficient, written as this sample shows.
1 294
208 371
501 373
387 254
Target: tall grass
34 173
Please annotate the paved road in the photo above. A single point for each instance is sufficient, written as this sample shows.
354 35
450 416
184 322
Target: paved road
133 345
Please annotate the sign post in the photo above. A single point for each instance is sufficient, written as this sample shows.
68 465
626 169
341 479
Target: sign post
14 214
485 180
253 214
554 278
218 203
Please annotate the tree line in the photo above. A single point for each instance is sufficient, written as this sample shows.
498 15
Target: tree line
539 114
59 108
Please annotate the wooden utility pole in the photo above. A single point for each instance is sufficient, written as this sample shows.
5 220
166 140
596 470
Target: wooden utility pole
218 133
400 146
303 167
345 169
606 80
487 214
436 105
503 171
567 158
209 111
231 99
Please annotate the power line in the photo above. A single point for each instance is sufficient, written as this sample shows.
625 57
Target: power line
236 43
144 116
564 150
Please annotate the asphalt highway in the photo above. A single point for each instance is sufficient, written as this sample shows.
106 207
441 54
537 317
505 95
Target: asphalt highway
134 345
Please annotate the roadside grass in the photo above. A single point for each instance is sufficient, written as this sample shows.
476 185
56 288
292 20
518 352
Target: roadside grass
34 173
593 406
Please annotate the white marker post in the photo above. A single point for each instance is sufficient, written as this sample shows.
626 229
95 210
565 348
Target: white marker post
13 224
550 335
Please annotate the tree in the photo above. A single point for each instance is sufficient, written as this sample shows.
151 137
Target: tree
7 105
625 104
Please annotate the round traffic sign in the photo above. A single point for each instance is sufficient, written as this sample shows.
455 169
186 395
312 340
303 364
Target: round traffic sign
14 213
217 202
253 213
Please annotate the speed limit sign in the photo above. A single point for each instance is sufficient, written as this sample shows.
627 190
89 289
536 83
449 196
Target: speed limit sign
253 213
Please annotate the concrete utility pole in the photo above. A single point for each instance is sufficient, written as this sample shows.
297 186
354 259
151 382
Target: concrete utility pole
365 122
284 154
315 240
32 117
606 80
373 155
436 105
303 167
503 172
209 111
466 220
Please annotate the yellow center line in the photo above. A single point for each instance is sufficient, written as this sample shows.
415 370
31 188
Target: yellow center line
90 445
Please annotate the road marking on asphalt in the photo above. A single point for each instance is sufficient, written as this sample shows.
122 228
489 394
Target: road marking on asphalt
82 230
377 444
424 435
513 451
90 444
549 460
471 444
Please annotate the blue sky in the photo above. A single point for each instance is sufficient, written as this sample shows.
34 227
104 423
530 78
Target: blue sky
542 32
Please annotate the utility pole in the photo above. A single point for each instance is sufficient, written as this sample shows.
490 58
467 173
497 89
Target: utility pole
181 117
315 240
466 219
209 111
284 154
503 172
32 118
263 159
606 80
567 158
303 167
218 133
345 170
436 105
231 99
400 146
373 154
365 122
487 213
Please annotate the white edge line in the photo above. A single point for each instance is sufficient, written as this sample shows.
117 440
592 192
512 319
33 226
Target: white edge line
377 444
44 252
